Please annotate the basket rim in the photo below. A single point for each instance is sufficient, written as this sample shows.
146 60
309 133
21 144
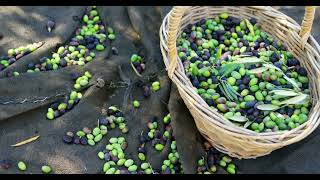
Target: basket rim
316 49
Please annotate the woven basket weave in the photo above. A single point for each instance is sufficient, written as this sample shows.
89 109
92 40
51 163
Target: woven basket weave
222 134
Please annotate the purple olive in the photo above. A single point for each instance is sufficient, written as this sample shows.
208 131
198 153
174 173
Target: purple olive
114 158
155 141
11 60
146 91
74 43
67 139
124 171
56 113
50 25
9 73
167 171
76 140
5 164
63 62
163 140
107 156
142 150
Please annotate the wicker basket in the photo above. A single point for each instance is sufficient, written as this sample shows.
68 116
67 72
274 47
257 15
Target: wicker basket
222 134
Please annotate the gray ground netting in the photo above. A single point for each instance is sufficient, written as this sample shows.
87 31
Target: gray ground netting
137 32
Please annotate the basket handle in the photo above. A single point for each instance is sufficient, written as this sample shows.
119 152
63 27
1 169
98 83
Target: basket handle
306 24
174 24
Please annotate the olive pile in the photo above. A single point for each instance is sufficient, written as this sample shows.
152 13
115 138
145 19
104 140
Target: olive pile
61 107
93 136
244 73
17 53
92 35
171 165
114 156
213 159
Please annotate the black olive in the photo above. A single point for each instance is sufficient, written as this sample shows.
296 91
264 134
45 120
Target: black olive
118 114
238 82
240 35
256 113
242 87
258 120
103 121
276 82
250 104
253 21
83 141
278 64
250 117
11 60
210 102
305 85
214 79
193 59
246 79
250 111
201 78
195 82
302 71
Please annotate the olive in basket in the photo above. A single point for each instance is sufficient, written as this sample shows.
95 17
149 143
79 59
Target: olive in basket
245 74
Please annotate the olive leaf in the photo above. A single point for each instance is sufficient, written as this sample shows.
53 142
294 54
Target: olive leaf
284 93
300 99
284 75
247 60
257 70
250 27
266 53
228 68
247 124
267 107
230 91
238 118
224 92
293 82
272 66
